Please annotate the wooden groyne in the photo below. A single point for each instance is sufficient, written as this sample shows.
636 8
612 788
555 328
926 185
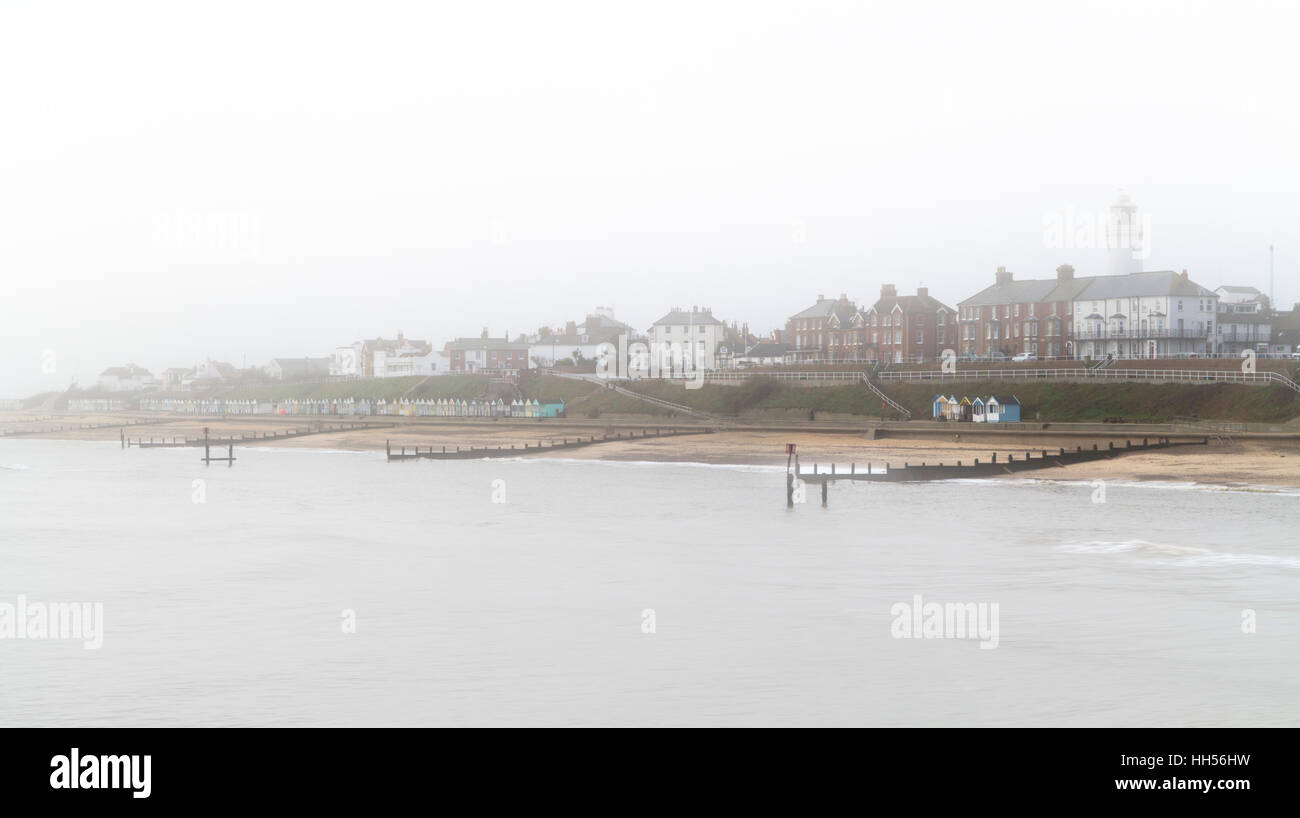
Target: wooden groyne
478 452
79 427
992 467
251 437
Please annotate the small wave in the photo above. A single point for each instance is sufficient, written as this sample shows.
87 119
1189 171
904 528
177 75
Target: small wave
15 467
1186 554
1156 485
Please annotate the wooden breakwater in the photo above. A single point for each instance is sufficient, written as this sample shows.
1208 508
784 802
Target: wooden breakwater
78 427
478 452
250 437
994 466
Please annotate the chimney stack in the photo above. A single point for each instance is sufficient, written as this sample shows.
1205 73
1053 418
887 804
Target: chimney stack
1183 275
922 291
888 291
820 298
1002 276
1064 273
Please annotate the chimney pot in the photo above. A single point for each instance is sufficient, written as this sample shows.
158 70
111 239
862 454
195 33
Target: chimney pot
922 291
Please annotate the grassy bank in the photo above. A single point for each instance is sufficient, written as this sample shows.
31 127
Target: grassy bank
1058 402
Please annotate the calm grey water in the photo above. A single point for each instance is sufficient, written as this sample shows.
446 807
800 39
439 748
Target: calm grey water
529 611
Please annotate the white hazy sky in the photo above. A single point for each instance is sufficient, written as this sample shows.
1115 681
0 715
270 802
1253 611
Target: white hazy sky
251 180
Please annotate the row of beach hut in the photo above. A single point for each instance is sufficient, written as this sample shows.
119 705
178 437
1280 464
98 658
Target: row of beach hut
991 409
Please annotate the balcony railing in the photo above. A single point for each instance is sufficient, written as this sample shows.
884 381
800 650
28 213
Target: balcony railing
1137 334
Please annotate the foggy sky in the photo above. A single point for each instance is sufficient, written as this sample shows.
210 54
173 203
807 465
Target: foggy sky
244 181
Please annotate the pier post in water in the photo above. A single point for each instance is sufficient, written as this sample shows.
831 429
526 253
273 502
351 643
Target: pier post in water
824 482
789 490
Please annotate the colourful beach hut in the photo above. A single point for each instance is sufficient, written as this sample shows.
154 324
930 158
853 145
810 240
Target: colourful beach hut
977 410
1002 409
964 409
939 403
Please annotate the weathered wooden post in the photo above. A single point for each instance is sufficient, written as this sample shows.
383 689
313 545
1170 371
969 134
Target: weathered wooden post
824 482
789 489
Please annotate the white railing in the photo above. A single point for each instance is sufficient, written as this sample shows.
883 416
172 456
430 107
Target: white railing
666 404
895 405
722 377
1110 374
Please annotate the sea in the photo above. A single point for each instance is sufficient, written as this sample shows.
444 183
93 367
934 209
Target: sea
315 587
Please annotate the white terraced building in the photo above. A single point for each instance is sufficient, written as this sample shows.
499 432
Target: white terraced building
684 340
1144 315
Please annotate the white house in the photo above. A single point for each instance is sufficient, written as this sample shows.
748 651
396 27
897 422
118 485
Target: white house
683 341
388 365
1144 315
129 378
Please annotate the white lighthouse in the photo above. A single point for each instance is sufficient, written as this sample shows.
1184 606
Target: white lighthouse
1124 238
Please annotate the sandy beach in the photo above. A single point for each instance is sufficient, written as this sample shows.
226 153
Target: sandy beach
1241 461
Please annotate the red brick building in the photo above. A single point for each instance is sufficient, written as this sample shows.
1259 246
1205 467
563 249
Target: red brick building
830 330
474 354
1020 316
908 328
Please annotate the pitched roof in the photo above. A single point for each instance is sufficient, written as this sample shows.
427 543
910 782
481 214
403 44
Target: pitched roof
1231 288
128 371
1086 288
485 343
826 307
767 349
1161 282
910 304
687 317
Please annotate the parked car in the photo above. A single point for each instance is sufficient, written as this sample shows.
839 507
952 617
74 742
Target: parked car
1021 357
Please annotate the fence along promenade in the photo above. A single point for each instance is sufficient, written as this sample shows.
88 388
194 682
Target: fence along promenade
1030 374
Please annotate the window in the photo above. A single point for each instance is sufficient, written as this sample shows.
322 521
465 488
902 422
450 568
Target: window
1017 310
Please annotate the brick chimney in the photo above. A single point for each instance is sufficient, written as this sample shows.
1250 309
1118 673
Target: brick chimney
1183 275
570 328
1064 273
888 291
820 298
922 291
1002 276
